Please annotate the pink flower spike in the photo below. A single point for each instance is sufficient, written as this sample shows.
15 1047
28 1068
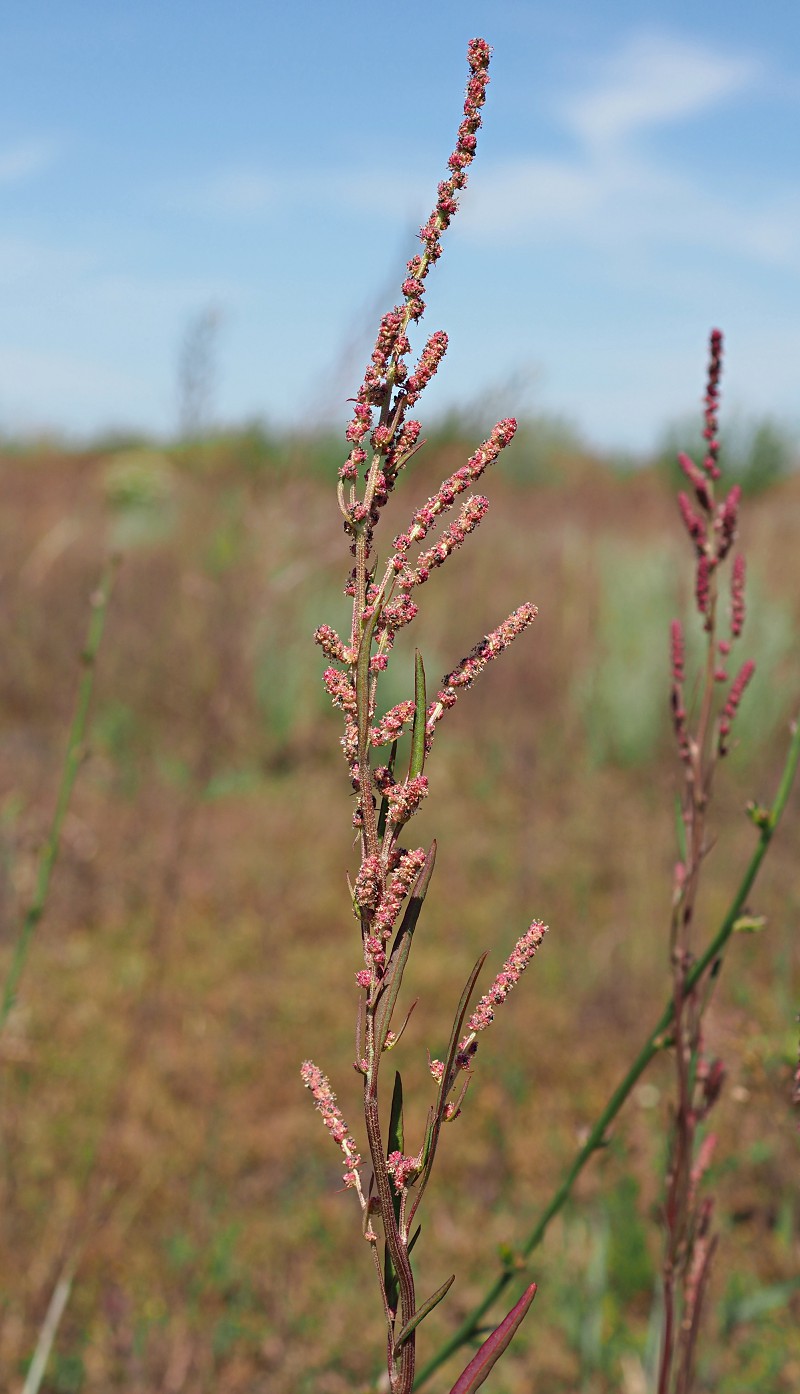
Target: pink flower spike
703 587
726 521
325 1101
694 524
697 479
711 405
470 667
431 357
508 977
732 705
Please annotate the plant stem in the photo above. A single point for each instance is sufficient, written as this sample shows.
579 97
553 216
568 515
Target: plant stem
655 1042
72 761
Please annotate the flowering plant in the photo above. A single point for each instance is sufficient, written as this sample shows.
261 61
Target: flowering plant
383 439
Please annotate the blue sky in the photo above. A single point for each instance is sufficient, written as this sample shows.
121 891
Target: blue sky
637 183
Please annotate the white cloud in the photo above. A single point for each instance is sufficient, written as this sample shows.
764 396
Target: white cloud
613 192
652 80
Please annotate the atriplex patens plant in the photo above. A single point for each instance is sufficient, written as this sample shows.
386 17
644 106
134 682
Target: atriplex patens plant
386 799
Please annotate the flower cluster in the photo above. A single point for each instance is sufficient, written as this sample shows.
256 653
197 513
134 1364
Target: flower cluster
483 1015
732 705
387 368
402 1169
711 528
508 977
491 646
711 405
325 1100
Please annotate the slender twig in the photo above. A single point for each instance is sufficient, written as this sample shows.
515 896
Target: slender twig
72 762
659 1037
49 1328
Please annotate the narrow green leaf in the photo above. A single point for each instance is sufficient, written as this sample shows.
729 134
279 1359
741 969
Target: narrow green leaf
422 1312
396 1132
461 1012
415 1236
395 1139
428 1143
435 1121
481 1364
393 977
416 762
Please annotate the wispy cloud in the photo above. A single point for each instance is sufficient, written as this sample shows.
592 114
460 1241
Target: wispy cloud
25 159
654 79
614 190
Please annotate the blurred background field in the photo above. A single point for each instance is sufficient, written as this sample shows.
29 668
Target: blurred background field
197 944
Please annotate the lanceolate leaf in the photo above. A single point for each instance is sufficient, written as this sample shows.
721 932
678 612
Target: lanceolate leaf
461 1012
422 1312
417 761
491 1350
437 1114
395 1141
393 977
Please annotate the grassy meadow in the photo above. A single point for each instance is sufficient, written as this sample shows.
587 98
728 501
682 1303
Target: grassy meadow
197 943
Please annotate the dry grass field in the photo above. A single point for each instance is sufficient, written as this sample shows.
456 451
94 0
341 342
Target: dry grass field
197 943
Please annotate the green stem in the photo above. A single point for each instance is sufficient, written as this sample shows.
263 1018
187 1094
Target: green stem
654 1043
69 771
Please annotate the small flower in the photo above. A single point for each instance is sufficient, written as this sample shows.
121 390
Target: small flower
325 1101
726 521
369 884
732 705
332 645
405 799
391 725
693 523
341 690
470 667
697 479
703 587
710 463
508 977
430 358
402 1169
